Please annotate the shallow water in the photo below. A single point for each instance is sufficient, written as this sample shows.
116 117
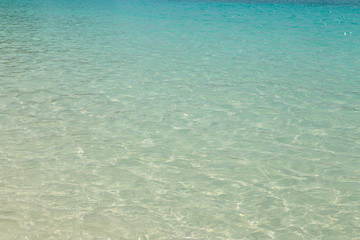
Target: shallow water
179 119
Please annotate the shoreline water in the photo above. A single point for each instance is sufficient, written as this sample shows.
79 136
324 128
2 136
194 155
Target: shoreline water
178 119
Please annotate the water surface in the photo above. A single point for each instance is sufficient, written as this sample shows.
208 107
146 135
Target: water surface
179 119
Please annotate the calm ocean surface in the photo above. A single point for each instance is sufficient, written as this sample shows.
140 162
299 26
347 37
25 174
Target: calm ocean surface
179 120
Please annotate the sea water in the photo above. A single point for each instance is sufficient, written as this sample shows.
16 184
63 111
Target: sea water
162 119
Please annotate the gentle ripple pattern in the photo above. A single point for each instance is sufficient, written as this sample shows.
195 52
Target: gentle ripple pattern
179 119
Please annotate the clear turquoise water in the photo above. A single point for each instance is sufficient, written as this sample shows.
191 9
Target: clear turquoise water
179 120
